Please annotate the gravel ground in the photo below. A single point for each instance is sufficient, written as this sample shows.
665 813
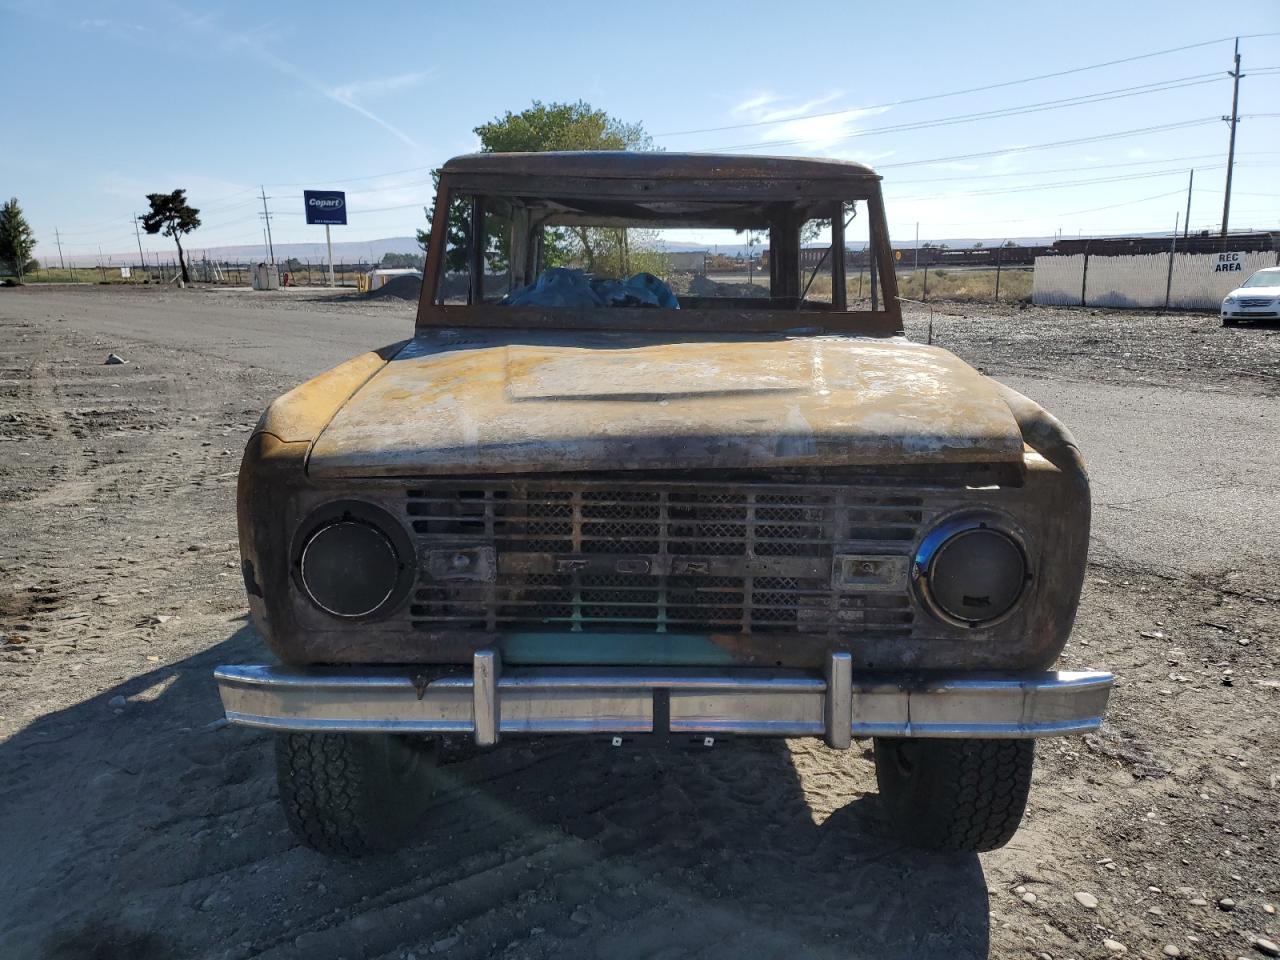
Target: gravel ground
134 824
1184 350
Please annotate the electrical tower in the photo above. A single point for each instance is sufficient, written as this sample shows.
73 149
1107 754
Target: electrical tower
266 216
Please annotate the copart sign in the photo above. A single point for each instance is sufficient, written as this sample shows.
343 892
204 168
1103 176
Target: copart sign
326 207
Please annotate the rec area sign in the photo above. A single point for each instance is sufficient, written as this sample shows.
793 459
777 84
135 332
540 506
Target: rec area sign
1229 263
326 207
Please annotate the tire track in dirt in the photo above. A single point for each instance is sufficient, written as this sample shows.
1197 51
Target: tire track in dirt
139 828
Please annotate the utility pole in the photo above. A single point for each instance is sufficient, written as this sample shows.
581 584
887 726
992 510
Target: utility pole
1231 149
266 215
1186 223
141 257
58 240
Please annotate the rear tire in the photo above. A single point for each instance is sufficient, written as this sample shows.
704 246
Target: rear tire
348 795
954 796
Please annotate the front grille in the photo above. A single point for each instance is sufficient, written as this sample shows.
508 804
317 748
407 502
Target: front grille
1256 303
657 557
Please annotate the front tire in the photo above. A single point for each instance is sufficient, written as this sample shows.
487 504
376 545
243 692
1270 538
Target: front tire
348 795
954 796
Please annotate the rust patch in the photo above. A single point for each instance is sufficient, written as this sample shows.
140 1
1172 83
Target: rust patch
624 401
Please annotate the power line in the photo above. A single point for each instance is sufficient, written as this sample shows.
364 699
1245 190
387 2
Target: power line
958 93
1096 138
1041 107
1076 169
1070 213
372 176
1029 188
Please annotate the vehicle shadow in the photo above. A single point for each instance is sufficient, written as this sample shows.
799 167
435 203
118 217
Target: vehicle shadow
152 830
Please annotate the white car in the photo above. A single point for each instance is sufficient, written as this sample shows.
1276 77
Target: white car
1258 298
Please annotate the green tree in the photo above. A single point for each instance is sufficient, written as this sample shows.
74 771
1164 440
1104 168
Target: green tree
16 238
560 126
424 236
536 129
171 215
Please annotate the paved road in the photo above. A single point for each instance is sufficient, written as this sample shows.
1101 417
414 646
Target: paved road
1181 483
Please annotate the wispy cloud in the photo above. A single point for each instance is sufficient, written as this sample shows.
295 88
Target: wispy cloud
120 28
768 107
364 89
286 68
254 43
787 121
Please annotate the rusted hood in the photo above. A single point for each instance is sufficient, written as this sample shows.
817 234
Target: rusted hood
497 402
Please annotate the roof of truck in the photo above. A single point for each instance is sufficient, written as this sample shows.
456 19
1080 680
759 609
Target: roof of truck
653 165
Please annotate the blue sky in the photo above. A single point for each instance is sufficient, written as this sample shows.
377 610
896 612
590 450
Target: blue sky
121 100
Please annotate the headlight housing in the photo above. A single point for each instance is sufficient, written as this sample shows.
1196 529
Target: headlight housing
971 570
353 560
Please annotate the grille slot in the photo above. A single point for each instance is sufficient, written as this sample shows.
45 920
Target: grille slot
597 556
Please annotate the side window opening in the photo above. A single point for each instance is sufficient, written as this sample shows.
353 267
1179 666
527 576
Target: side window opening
838 268
454 284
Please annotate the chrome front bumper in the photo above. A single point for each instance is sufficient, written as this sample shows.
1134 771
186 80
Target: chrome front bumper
488 701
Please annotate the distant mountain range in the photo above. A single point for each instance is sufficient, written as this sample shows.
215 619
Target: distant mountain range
369 251
372 251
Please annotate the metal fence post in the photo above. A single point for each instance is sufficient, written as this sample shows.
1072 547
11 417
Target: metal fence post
999 258
1084 276
925 295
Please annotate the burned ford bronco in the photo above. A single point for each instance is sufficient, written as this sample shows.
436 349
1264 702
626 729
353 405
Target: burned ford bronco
620 484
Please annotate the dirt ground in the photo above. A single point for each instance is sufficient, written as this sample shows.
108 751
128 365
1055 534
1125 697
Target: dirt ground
133 823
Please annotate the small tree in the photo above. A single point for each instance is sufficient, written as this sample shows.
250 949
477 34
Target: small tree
16 238
541 127
174 217
424 236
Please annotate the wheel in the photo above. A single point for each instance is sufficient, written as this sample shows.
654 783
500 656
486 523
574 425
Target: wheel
954 796
352 794
1230 322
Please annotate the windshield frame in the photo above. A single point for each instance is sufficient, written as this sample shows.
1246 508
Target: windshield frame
884 319
1272 278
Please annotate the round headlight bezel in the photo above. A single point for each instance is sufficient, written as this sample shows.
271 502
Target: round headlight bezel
945 532
380 521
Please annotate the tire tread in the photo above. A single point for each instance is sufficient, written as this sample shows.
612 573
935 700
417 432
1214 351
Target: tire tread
964 796
335 795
